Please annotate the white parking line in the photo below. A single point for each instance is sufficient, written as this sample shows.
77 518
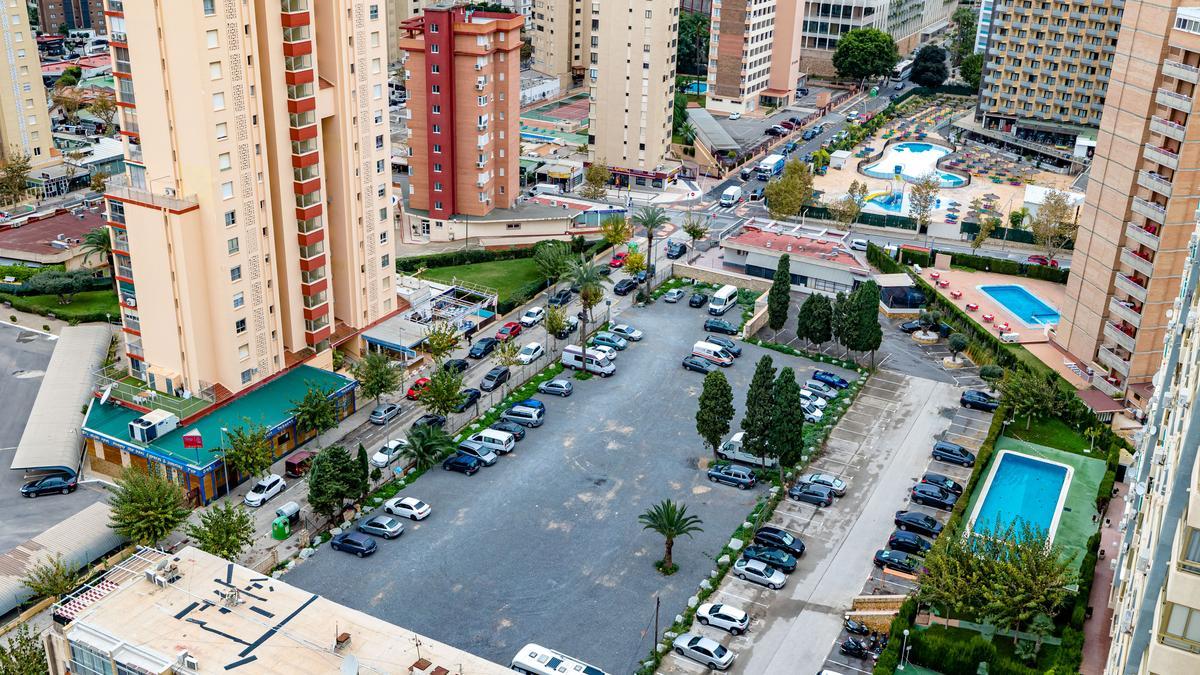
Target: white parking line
846 666
725 592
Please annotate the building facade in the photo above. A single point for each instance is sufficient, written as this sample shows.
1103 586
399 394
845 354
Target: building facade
1156 585
74 14
911 23
754 55
1141 196
24 122
254 226
560 34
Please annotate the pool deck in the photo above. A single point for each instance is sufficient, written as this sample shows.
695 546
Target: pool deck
968 282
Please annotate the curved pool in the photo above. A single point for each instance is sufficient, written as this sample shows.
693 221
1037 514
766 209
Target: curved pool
915 160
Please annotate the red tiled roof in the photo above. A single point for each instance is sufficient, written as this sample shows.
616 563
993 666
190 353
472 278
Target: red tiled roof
34 236
58 67
808 247
1100 402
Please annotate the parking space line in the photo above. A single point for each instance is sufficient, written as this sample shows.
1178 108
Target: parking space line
724 592
846 666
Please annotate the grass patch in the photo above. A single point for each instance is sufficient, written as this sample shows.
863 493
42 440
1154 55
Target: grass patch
506 276
85 306
1052 433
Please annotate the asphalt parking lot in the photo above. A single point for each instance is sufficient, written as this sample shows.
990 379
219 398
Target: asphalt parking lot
545 545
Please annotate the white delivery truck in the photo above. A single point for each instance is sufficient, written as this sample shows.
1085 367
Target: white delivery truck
593 361
731 196
723 300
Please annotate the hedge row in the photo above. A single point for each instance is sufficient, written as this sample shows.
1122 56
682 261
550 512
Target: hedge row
62 312
1005 266
482 255
92 284
22 272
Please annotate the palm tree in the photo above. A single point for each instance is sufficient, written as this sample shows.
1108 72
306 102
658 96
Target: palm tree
425 446
651 218
687 133
97 242
586 276
671 520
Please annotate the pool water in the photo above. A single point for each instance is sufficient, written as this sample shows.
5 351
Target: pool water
915 161
1022 488
1026 306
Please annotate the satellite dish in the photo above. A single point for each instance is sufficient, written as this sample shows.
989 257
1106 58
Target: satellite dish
106 394
1140 488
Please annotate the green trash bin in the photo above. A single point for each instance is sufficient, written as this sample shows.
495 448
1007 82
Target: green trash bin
280 528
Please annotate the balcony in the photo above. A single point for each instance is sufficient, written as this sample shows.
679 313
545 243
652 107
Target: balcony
1172 130
1137 262
1154 181
1115 358
1141 235
131 321
1172 100
169 202
133 153
1181 71
125 271
1115 334
1116 390
1128 285
1120 310
135 350
1145 207
1161 156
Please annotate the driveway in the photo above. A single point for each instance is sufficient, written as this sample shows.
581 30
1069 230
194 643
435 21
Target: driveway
545 545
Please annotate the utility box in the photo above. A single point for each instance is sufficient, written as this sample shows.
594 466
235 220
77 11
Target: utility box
281 528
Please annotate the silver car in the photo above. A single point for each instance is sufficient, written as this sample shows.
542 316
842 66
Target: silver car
628 332
559 387
759 572
381 526
703 650
832 482
673 295
384 413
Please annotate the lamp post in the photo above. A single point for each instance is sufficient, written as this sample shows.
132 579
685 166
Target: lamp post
903 652
224 464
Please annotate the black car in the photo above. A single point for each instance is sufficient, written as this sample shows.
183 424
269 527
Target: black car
779 538
978 400
757 193
908 543
483 347
429 420
675 250
456 366
953 453
462 463
932 495
746 173
729 345
780 560
896 560
625 287
569 326
469 397
719 326
494 378
943 482
354 542
817 495
912 521
698 364
516 430
911 326
732 474
560 298
48 485
697 300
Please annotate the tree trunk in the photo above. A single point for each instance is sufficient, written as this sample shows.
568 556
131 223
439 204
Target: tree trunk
667 554
1028 421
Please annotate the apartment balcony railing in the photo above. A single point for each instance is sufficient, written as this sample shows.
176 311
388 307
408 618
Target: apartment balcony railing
1164 126
1161 156
135 350
1115 334
133 153
1112 358
125 271
1137 262
1109 388
1153 181
1145 207
1119 310
1127 284
1142 236
1181 71
131 322
163 201
1172 100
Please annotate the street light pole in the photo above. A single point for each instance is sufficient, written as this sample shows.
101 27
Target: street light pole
903 652
224 464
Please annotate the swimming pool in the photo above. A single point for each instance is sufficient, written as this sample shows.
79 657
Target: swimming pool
915 161
1029 308
1022 488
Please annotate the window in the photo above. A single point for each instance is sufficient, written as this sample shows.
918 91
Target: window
383 237
211 38
378 117
375 38
230 218
210 7
1182 629
435 89
379 165
437 109
437 147
373 12
437 186
244 352
383 262
235 273
223 162
247 375
435 69
232 244
239 326
376 91
437 168
222 131
227 190
1189 557
437 128
435 49
383 214
239 299
85 659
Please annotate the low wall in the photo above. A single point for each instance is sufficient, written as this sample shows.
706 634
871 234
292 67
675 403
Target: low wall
712 276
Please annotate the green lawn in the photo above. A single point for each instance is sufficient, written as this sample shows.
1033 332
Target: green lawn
506 276
85 306
1051 433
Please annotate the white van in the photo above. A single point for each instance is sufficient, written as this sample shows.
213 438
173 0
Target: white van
723 300
496 440
731 195
732 450
714 353
593 361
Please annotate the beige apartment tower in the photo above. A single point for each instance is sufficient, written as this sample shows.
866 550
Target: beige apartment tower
24 123
754 54
1141 202
254 229
560 32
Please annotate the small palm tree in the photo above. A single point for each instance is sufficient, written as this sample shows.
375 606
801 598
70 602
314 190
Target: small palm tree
585 275
426 445
652 218
97 242
687 133
671 520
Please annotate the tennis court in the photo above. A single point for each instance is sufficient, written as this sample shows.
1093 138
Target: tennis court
573 108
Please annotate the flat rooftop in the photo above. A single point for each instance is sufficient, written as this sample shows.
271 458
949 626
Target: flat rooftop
801 243
38 233
269 405
232 619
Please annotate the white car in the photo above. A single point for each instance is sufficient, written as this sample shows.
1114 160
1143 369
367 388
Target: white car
813 398
703 650
264 490
759 572
858 244
812 413
832 482
533 316
407 507
725 617
674 295
628 332
389 453
608 352
530 353
734 116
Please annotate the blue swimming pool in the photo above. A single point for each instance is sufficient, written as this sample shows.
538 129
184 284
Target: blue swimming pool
1022 488
913 161
1026 306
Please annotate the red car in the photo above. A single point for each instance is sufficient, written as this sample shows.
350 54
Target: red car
508 331
415 390
787 125
1041 260
618 260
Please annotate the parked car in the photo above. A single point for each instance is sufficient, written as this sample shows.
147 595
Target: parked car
832 482
508 331
557 387
570 325
780 560
808 134
625 286
817 495
978 400
820 388
734 116
353 542
381 526
674 295
932 495
896 560
627 332
560 299
911 326
1041 260
757 193
469 396
618 259
477 450
858 244
779 538
513 428
791 146
604 350
909 542
732 474
831 379
483 347
944 482
675 250
746 173
59 483
698 364
759 572
698 300
456 366
414 392
462 463
775 131
607 339
264 490
809 397
787 124
533 316
429 420
524 415
703 650
390 452
914 521
407 507
384 413
719 326
855 647
494 378
725 617
811 413
722 341
530 352
953 453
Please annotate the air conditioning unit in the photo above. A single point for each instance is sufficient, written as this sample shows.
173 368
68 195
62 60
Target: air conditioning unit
480 85
481 127
170 192
478 66
131 301
480 165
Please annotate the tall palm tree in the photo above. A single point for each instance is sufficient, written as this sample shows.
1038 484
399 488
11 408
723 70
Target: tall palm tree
97 242
671 520
425 446
652 218
586 276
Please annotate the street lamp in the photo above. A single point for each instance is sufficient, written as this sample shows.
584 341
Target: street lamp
903 652
224 464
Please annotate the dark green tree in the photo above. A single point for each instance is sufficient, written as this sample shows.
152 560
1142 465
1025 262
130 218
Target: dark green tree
146 507
362 472
376 376
693 43
332 480
929 67
443 393
868 334
61 283
315 411
957 343
425 446
14 175
992 374
865 52
787 423
814 322
552 259
53 576
441 338
779 298
971 70
789 194
1030 394
23 653
760 409
651 219
715 411
247 449
962 38
843 321
225 530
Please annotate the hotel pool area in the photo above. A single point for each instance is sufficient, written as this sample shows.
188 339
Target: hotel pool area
1027 307
915 160
1022 488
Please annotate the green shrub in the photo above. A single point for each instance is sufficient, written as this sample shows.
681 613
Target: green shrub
937 648
1106 487
879 258
910 257
1004 665
1070 652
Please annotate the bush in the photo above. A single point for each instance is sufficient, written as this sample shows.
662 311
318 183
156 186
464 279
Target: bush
1105 492
937 648
910 257
1070 652
463 257
879 258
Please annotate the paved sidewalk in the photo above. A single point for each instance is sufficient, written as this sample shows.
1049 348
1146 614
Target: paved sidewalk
1095 629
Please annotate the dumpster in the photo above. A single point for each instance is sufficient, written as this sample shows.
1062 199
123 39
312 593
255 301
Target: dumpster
289 511
280 528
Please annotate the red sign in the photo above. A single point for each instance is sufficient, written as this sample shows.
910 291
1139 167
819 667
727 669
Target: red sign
192 439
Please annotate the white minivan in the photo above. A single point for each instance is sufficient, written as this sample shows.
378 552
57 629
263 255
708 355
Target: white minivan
593 361
713 353
731 196
496 440
723 300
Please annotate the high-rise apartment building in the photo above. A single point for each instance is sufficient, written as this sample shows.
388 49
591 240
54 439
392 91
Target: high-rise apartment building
24 123
631 78
560 32
1156 585
74 14
911 23
463 72
397 12
698 6
255 225
754 54
1141 196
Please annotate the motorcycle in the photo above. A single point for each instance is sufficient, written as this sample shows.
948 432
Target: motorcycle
856 628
